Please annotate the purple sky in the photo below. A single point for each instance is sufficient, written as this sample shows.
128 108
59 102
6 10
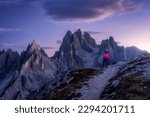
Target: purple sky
47 21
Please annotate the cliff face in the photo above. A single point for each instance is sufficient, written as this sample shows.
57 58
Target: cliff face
117 53
77 50
133 52
9 61
26 74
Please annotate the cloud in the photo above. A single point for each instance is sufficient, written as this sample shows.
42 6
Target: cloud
6 46
78 10
3 30
94 32
10 2
86 10
9 45
47 48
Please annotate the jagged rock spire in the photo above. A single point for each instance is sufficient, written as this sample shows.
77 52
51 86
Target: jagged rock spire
34 45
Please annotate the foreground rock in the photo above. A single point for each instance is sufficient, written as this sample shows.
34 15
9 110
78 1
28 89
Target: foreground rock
132 81
96 84
66 89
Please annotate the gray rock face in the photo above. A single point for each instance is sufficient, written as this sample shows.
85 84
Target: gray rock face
133 52
76 50
36 71
132 81
80 50
117 53
8 61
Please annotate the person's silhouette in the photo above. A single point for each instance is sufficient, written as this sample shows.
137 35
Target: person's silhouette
106 57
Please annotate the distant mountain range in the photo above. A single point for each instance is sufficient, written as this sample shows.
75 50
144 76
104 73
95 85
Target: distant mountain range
25 75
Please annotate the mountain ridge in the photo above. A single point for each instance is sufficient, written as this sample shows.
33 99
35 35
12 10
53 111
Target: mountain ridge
36 70
81 45
33 71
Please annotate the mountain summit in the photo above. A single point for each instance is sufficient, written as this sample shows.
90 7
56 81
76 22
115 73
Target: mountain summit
78 40
35 72
117 53
77 50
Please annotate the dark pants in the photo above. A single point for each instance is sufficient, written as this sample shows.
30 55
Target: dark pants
105 62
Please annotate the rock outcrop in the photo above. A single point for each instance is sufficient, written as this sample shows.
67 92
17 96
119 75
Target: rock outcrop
133 52
132 81
8 62
77 50
35 72
117 53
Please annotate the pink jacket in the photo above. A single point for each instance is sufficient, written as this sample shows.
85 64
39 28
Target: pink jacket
106 56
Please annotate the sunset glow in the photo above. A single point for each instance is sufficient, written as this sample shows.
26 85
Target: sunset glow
47 21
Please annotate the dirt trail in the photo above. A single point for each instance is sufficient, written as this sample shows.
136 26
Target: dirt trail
96 84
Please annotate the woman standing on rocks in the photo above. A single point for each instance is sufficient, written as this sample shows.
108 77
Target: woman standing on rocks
106 57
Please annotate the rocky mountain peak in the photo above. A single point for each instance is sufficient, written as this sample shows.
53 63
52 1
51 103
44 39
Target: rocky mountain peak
79 30
117 53
69 33
111 39
34 46
110 42
34 54
86 34
79 40
31 73
8 61
78 33
76 49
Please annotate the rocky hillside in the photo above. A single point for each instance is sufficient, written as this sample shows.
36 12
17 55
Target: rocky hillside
66 89
25 74
131 82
